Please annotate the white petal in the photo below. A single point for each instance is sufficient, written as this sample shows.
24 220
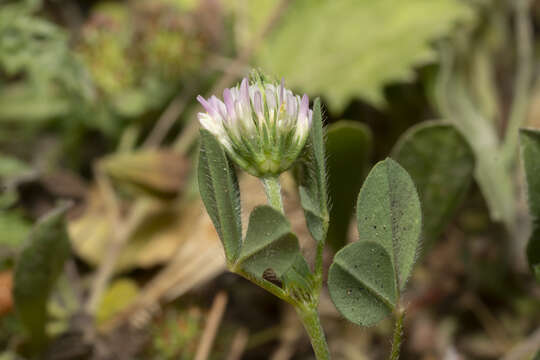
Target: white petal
210 124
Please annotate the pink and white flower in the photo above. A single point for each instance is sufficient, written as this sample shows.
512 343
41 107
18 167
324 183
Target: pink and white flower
262 125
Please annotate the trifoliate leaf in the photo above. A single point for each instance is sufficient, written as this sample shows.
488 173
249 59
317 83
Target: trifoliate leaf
388 213
351 48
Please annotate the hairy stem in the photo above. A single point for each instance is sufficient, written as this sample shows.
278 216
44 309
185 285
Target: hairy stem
398 335
272 189
312 324
319 268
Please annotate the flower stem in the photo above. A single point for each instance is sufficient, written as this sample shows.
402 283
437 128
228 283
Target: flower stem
312 324
319 269
398 335
308 313
272 188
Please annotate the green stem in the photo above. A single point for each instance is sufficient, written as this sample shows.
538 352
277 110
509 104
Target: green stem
268 286
319 269
312 324
272 189
524 79
308 313
398 335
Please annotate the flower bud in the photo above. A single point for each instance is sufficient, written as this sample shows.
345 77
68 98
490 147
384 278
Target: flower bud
262 125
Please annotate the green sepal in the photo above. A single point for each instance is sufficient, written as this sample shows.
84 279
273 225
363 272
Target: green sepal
220 194
269 243
313 187
442 176
530 152
38 266
361 283
388 212
348 144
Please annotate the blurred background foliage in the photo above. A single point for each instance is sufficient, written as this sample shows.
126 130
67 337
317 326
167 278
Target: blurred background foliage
97 108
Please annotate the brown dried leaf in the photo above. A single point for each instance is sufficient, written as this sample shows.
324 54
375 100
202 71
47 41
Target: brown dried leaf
159 172
153 242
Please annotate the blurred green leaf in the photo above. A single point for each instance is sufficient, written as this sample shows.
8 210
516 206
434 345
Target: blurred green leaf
388 212
348 145
36 271
8 198
313 187
220 194
441 164
118 296
455 100
361 283
251 17
22 105
530 147
13 229
269 243
12 167
62 306
36 53
363 45
8 355
138 56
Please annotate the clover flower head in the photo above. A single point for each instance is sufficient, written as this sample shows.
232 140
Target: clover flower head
262 125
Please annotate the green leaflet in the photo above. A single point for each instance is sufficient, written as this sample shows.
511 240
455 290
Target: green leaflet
348 145
369 44
530 148
269 243
220 194
388 212
313 189
361 283
36 271
441 164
